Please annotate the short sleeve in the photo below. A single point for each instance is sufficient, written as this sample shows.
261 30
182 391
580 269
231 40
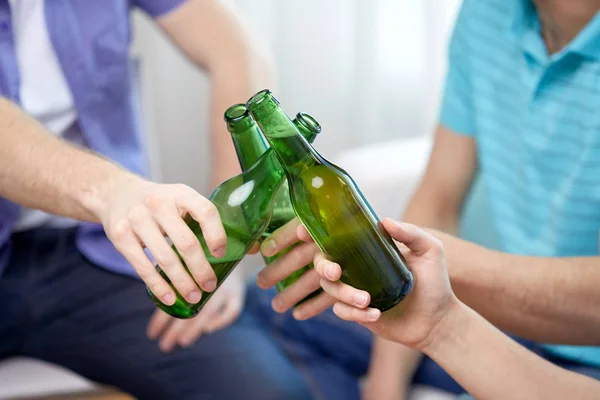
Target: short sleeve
157 8
457 107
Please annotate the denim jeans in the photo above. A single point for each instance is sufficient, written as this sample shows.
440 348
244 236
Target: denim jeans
58 307
331 354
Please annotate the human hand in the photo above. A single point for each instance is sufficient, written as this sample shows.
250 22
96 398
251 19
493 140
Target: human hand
222 310
139 213
413 322
296 258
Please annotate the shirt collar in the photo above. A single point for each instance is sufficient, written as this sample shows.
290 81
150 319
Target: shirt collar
526 28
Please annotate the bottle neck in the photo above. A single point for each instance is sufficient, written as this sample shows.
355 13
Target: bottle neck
294 152
292 149
249 146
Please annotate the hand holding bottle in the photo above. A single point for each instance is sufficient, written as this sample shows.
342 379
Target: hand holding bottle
294 260
140 213
415 321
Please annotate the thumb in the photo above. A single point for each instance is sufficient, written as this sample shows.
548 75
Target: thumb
416 239
303 234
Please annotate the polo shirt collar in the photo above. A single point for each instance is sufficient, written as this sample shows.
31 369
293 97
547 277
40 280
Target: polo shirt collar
526 28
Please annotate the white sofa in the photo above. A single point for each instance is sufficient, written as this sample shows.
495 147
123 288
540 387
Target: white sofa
387 173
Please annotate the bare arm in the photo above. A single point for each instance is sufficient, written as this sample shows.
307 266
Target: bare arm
212 36
487 363
551 300
490 365
436 203
40 171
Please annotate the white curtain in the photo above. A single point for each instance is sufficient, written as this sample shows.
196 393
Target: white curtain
368 70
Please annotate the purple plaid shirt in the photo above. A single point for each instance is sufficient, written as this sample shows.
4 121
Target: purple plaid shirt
91 39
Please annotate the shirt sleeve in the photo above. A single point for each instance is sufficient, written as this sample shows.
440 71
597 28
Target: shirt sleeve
457 108
157 8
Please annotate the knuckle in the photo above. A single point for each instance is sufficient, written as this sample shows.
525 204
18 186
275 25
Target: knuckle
146 274
188 245
209 211
158 288
167 260
182 188
437 245
154 201
120 230
138 214
185 283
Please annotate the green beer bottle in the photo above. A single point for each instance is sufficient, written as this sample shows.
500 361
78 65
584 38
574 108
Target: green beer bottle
245 204
333 210
250 145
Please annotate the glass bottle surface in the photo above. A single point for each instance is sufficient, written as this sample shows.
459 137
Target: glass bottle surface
250 145
333 210
245 204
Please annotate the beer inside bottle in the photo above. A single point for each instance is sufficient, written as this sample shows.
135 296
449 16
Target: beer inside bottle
250 145
334 211
245 207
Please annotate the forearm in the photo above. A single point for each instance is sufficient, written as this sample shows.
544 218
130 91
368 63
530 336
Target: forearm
230 86
551 300
40 171
489 365
391 361
212 35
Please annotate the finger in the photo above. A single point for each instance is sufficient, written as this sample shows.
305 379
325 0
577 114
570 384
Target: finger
129 245
327 269
228 315
188 246
171 337
414 238
303 234
346 293
349 313
313 307
254 249
197 326
158 323
292 261
288 298
281 239
207 215
166 258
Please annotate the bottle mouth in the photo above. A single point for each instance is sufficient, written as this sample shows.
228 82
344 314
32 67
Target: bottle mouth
236 112
238 118
308 122
262 102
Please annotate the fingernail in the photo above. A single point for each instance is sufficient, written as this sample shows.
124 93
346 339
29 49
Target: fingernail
210 285
330 271
269 247
194 296
260 281
277 304
360 299
165 347
169 299
373 314
185 342
220 252
299 315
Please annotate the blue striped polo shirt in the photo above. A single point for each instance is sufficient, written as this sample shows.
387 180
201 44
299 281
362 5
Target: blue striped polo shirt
536 121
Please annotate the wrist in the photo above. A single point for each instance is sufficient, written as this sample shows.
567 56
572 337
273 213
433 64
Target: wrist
451 327
97 197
